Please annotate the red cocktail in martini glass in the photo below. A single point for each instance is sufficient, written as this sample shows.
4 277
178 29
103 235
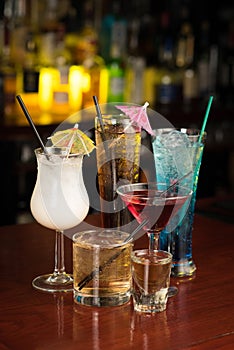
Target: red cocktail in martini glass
155 204
152 203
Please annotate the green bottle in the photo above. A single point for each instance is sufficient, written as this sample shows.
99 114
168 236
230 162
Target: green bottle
116 76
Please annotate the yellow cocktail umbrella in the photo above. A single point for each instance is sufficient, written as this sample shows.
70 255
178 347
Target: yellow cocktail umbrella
75 139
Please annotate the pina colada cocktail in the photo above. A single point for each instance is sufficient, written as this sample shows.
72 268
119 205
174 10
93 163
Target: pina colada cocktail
59 201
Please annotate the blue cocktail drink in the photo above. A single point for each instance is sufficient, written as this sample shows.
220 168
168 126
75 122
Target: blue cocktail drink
176 153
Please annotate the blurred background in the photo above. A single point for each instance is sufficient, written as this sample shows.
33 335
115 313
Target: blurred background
57 54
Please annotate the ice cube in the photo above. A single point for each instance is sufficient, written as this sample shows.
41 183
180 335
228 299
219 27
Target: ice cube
174 138
172 154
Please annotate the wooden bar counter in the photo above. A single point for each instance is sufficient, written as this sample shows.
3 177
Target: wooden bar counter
201 316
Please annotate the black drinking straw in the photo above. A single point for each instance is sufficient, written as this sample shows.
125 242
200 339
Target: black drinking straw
27 115
103 135
99 115
99 269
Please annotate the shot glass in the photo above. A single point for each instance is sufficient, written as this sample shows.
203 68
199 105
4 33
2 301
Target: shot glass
118 143
101 268
150 280
177 152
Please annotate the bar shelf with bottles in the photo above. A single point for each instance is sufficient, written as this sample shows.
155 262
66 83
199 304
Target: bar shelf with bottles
57 56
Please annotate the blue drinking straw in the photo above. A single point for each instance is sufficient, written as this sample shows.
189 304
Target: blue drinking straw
205 119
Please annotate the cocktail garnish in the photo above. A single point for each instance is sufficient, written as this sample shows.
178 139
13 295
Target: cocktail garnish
138 115
74 139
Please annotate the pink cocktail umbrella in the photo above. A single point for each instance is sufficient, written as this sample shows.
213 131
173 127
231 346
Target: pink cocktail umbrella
138 115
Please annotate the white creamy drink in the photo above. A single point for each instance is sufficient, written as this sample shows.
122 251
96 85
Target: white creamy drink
59 200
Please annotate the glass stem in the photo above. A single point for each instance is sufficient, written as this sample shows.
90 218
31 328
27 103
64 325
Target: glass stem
153 240
59 268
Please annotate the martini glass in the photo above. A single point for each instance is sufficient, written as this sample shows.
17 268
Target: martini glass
155 204
59 202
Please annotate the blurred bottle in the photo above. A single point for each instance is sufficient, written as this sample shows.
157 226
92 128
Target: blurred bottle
86 56
190 86
213 69
48 33
19 25
207 61
55 60
1 73
28 73
9 87
105 35
113 30
135 67
113 49
116 75
62 64
49 28
186 64
166 86
203 58
47 49
152 33
184 54
226 67
135 80
7 67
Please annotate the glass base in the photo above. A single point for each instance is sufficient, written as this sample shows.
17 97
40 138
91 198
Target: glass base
54 283
149 304
183 268
172 291
111 300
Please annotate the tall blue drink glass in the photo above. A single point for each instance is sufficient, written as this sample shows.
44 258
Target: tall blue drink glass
176 153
